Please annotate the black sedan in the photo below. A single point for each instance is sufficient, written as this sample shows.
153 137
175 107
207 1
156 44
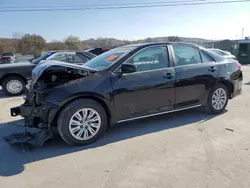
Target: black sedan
127 83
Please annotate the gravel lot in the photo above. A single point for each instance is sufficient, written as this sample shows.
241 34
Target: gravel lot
186 149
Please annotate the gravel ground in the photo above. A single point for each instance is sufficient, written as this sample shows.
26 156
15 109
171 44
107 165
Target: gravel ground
185 149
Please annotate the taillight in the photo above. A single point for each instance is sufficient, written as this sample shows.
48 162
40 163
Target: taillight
239 66
234 58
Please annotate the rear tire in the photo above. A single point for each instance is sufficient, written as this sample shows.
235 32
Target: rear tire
217 99
13 86
82 122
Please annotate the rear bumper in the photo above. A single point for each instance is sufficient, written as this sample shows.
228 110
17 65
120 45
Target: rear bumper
237 87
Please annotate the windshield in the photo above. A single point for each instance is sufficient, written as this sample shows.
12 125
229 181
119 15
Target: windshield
106 59
42 57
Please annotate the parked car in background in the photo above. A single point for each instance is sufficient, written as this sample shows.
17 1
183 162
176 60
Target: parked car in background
7 57
14 77
98 51
225 54
124 84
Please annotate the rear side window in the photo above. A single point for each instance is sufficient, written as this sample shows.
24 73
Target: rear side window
186 55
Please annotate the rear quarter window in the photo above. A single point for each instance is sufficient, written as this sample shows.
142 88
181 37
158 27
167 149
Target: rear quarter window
214 56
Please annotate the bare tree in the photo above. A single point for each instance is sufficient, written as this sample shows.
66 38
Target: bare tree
32 44
73 43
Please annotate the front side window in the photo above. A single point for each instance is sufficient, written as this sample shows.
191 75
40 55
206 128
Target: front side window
150 59
185 55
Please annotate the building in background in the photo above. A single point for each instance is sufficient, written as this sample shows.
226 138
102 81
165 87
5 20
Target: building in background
239 48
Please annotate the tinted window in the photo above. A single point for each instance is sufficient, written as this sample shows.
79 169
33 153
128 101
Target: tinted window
186 55
205 58
81 59
150 59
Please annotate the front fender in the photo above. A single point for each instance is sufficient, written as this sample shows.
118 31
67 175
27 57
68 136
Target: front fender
107 104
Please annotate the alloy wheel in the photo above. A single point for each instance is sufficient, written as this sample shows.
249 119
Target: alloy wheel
14 86
85 124
219 99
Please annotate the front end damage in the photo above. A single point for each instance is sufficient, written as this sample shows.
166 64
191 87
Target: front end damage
36 111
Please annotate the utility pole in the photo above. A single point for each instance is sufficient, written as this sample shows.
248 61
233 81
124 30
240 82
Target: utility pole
242 36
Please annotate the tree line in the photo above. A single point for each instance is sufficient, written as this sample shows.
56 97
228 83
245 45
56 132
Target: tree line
32 44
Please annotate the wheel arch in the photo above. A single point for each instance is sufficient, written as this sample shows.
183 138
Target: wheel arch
228 84
93 96
12 74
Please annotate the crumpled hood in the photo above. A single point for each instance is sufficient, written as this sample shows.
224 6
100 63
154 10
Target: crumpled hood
53 65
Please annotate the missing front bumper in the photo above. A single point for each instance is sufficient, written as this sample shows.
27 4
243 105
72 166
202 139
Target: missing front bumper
34 116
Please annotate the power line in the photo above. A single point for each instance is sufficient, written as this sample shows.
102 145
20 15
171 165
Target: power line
82 8
101 5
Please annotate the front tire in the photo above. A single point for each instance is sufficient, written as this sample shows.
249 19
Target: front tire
82 122
217 99
13 86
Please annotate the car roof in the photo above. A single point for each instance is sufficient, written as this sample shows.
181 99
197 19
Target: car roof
160 43
54 51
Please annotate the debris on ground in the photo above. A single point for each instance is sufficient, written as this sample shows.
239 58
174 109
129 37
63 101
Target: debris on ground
229 129
28 140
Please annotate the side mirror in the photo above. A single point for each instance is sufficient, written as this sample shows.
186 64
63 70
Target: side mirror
128 68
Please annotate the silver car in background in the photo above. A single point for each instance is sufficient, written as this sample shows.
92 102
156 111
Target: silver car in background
225 54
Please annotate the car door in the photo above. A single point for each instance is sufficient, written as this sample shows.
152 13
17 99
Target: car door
196 72
147 91
81 59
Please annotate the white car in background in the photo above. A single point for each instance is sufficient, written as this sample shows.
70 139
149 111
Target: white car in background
225 54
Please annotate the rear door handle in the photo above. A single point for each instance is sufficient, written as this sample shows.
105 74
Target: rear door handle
212 69
168 75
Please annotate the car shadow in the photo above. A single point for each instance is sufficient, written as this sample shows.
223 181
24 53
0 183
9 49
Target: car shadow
13 159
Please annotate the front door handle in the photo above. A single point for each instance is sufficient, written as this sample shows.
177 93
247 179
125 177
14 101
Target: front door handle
212 69
168 75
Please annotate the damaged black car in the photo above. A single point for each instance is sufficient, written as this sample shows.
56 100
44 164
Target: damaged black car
127 83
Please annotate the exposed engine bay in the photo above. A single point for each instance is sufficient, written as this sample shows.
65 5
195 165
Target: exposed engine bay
55 76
